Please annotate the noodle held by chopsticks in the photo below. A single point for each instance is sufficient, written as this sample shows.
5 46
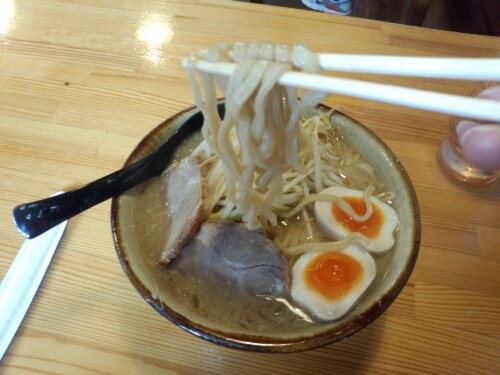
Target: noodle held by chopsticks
258 139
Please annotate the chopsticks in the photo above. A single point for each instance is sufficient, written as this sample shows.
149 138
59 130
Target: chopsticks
430 67
448 68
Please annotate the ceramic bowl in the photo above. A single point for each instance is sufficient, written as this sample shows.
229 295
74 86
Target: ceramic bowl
139 230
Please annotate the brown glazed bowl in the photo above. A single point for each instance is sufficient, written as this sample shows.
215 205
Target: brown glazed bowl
139 234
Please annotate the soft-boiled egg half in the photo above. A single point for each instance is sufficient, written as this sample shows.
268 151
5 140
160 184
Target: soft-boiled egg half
329 283
337 224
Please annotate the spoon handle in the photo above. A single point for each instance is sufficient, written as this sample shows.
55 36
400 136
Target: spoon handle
33 219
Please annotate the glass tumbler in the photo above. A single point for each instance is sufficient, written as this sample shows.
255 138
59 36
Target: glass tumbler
452 159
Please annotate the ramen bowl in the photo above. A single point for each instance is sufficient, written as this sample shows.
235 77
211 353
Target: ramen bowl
139 226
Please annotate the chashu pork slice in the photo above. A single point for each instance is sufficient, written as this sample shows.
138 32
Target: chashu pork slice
233 257
186 191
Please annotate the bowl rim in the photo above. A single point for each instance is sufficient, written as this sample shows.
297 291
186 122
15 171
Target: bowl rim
265 343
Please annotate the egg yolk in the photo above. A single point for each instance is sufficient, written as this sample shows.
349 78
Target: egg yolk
332 274
370 227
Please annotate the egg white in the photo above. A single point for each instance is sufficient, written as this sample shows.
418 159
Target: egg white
334 229
321 307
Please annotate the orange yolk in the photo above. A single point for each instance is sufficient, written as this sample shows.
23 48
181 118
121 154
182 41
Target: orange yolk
332 274
370 227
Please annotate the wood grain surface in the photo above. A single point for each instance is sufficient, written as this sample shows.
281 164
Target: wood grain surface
81 82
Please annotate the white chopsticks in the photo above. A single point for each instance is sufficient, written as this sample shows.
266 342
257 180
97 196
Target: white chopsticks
461 106
449 68
430 67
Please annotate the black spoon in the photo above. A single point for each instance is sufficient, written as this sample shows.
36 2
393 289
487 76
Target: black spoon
35 218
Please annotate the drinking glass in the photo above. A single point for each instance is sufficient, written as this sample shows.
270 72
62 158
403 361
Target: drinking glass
451 156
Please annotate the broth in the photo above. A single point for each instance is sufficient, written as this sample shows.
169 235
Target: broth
207 296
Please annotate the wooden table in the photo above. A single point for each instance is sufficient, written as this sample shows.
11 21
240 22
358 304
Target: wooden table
81 82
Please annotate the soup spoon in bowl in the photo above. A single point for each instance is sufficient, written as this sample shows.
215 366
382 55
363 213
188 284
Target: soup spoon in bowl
35 218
